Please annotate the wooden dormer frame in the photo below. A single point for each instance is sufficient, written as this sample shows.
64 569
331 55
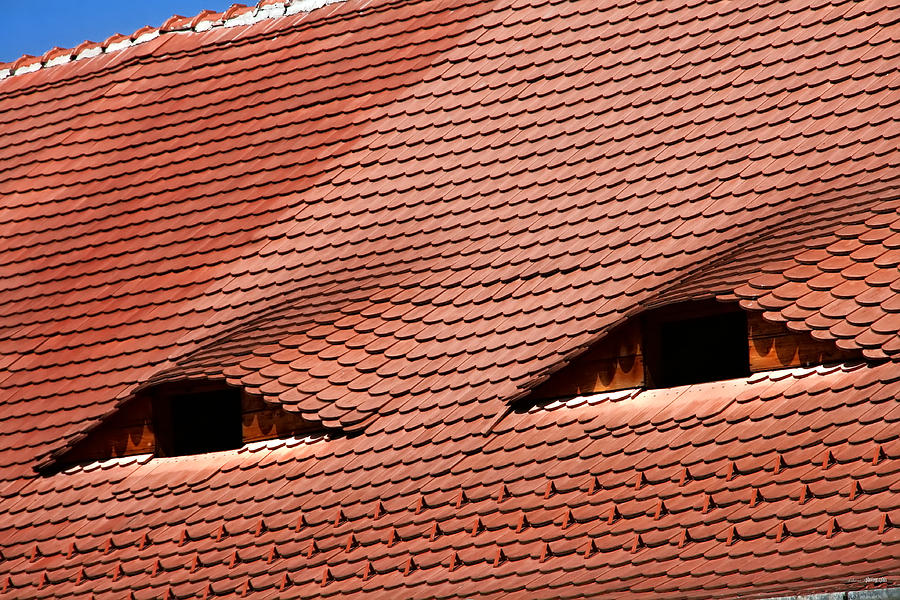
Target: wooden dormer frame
629 355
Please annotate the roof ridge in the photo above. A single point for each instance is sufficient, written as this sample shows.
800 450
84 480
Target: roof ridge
236 15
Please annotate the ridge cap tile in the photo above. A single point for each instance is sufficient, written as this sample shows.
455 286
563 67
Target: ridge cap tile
236 16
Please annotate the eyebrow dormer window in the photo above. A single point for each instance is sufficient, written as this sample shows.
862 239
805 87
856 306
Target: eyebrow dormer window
682 344
183 418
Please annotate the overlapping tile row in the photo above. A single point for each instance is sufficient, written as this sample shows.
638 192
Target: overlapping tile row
842 285
785 482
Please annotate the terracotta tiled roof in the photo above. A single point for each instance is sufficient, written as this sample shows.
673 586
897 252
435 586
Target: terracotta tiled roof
398 217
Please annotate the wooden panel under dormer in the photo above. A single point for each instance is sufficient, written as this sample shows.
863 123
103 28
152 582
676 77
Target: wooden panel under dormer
263 421
773 346
126 433
614 363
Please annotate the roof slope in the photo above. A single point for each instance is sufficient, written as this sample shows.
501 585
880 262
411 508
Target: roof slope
395 218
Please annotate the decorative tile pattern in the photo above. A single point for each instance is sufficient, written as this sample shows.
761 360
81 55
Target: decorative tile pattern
396 218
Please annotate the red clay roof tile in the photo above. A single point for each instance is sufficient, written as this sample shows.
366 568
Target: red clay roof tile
394 218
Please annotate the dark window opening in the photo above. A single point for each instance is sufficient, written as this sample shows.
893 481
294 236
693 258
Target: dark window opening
696 348
194 423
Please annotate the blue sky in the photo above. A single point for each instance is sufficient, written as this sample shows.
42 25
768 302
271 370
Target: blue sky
35 26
